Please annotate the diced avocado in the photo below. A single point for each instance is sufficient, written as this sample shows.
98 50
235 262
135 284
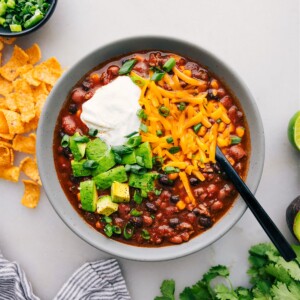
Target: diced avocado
78 169
106 162
77 149
129 159
88 195
96 149
105 206
104 180
144 150
144 182
120 192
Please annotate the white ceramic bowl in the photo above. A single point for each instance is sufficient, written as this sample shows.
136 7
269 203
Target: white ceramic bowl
45 141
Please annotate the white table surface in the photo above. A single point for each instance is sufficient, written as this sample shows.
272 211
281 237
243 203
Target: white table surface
259 39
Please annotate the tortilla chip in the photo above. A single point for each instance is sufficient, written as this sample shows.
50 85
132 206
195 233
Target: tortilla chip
10 70
11 102
31 194
7 136
24 143
45 74
5 86
30 79
12 173
7 41
30 168
24 69
3 123
5 143
5 159
14 122
40 101
1 45
40 90
32 125
34 53
12 156
3 103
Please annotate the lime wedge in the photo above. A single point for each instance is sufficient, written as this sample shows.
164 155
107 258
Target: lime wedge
294 130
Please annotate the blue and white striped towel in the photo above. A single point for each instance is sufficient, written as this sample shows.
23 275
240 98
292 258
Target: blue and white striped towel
96 280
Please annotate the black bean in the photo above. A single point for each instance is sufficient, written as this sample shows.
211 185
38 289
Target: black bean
196 211
151 207
74 179
61 133
194 181
211 96
174 222
136 221
73 108
164 180
205 221
67 152
86 85
175 198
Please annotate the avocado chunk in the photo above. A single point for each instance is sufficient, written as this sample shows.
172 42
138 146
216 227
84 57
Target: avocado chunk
77 149
96 149
144 182
105 206
104 180
120 192
129 159
106 162
144 151
88 195
78 169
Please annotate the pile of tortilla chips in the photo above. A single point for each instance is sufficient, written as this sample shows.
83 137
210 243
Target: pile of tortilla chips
24 86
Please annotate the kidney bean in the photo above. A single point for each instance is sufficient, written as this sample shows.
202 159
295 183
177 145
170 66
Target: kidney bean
142 68
236 152
175 198
212 190
227 102
200 74
165 230
234 115
177 239
170 210
205 221
68 125
165 195
221 93
78 95
147 220
191 217
163 205
216 206
158 202
113 71
173 222
185 226
123 210
119 222
73 108
185 236
151 207
199 191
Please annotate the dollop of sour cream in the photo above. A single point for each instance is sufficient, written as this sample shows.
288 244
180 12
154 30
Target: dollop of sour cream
112 110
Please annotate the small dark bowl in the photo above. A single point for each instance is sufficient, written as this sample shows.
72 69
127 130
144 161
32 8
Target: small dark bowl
7 33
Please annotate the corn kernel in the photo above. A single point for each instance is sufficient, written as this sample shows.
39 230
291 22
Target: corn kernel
214 84
78 197
173 176
180 205
240 131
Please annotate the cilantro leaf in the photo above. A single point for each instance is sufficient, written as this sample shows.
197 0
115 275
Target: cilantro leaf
215 272
198 291
167 289
224 293
281 291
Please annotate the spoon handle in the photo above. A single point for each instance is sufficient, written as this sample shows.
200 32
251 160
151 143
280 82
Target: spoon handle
260 214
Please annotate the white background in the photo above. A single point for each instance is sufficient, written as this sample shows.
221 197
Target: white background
259 40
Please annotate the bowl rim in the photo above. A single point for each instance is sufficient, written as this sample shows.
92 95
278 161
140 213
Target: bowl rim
124 250
34 28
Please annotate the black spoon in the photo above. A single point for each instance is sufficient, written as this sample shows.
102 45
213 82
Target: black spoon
260 214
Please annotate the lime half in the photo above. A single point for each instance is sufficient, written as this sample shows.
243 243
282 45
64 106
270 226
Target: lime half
294 130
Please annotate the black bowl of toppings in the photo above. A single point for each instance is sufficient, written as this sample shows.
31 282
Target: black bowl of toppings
126 147
20 17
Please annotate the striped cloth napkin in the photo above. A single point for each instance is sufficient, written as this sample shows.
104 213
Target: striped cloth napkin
95 280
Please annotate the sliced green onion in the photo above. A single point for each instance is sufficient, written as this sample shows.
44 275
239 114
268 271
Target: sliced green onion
170 140
181 106
122 149
219 121
117 229
81 139
164 111
131 134
170 63
157 161
108 229
144 127
118 158
170 170
90 165
197 127
157 75
157 192
140 161
137 198
159 133
174 149
128 231
235 140
145 234
65 141
107 219
36 18
136 169
134 212
127 67
134 141
140 81
141 114
93 132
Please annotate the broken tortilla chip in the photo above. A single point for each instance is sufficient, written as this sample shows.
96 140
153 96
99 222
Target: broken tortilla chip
10 173
24 69
30 168
5 156
11 102
3 123
7 136
30 79
5 86
3 103
34 53
13 120
7 41
10 70
31 194
24 143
